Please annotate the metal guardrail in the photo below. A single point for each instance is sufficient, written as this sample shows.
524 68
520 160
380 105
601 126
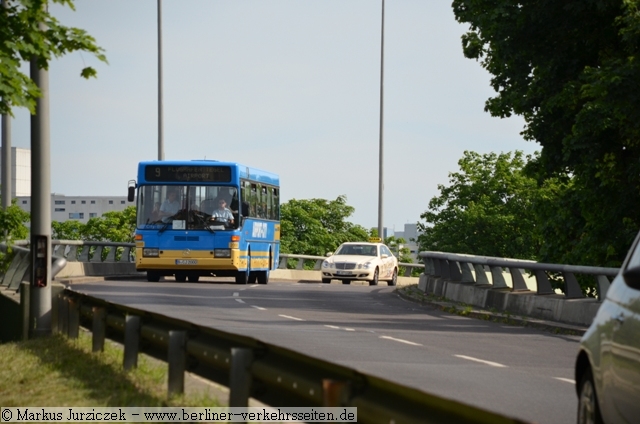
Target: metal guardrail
316 261
19 269
90 251
459 267
253 368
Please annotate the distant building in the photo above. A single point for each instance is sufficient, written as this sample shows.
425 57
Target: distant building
20 172
79 208
410 235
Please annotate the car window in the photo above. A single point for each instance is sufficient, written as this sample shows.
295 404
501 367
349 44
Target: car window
385 250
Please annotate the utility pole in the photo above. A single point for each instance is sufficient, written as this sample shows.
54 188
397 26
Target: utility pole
160 105
40 308
381 153
7 183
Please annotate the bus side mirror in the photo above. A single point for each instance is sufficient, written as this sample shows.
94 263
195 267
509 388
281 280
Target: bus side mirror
131 194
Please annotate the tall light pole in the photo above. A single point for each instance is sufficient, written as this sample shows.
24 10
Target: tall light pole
381 153
7 184
160 117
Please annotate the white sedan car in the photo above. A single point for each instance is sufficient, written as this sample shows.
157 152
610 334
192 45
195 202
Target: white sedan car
361 261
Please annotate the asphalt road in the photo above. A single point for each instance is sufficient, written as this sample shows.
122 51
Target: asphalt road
519 372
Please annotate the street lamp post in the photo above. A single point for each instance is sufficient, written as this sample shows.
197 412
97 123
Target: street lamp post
381 152
160 111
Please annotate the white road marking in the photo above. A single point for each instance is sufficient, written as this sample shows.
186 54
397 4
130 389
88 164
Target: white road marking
470 358
332 326
255 285
566 380
259 308
400 340
349 329
290 317
240 300
236 294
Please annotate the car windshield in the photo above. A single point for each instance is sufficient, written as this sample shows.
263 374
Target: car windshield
357 249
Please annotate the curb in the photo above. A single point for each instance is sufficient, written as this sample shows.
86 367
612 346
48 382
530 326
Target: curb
482 314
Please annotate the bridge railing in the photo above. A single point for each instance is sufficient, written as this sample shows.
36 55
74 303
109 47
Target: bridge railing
301 262
474 270
90 251
19 266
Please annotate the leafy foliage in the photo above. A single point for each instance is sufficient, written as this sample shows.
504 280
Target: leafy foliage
28 30
487 209
571 69
317 226
112 226
12 227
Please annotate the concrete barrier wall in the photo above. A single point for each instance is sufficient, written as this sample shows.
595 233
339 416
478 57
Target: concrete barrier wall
551 307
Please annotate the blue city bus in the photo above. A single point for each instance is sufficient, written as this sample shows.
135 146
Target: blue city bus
180 231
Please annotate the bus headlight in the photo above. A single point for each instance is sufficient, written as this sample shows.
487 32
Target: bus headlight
221 253
150 253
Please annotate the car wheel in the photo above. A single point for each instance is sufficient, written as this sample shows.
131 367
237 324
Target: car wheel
153 276
588 410
374 281
326 280
394 278
346 282
193 278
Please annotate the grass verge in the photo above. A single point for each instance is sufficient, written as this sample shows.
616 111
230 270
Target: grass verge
57 371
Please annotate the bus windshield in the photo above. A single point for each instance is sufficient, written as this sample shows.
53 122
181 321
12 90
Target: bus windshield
183 207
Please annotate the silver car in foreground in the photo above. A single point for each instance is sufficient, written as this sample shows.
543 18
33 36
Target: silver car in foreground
607 368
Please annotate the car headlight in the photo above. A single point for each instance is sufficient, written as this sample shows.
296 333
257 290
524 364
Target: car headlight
221 253
325 264
150 252
364 266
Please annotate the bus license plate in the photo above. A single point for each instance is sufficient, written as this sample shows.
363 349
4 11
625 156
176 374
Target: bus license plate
186 262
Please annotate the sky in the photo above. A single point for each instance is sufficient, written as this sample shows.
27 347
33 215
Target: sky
289 86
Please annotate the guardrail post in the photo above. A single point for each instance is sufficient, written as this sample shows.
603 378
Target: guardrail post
177 359
572 289
283 262
99 329
25 303
542 282
74 318
603 286
240 377
131 341
72 255
334 393
63 314
467 276
84 254
300 264
497 279
111 255
517 279
481 275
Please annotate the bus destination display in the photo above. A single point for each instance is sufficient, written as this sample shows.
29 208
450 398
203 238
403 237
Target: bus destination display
204 174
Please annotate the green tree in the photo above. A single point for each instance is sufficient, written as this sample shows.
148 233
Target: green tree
67 230
12 227
115 226
22 39
487 209
317 226
571 69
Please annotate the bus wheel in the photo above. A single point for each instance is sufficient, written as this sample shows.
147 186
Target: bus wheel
263 277
153 276
193 278
181 276
253 277
242 277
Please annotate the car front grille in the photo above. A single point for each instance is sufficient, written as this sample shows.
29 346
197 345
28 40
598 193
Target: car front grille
345 265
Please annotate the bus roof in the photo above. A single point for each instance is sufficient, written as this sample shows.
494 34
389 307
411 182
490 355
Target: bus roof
244 171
